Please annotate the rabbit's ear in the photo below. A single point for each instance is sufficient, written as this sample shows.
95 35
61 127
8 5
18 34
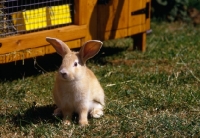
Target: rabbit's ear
90 49
60 47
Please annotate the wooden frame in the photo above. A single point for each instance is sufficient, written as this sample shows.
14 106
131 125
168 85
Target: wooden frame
89 23
125 18
24 46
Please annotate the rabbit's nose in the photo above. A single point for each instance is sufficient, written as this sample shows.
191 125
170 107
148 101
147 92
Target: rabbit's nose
63 73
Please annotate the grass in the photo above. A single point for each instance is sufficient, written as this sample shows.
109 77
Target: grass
151 94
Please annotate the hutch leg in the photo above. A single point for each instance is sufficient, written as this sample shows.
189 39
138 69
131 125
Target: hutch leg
139 41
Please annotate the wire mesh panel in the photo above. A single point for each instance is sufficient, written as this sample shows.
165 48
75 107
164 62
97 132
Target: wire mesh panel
25 16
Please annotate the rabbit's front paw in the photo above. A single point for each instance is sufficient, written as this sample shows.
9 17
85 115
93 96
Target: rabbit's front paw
83 122
67 122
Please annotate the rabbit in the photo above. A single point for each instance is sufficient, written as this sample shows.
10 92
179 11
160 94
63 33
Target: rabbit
76 88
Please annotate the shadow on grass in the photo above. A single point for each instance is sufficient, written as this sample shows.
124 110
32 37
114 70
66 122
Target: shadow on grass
36 115
100 58
18 70
31 67
41 114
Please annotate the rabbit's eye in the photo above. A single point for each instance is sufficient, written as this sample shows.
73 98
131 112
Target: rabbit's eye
75 64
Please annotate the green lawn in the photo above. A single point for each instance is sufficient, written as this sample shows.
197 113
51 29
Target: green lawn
151 94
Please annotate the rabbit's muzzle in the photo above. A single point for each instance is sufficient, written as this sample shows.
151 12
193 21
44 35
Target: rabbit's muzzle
63 73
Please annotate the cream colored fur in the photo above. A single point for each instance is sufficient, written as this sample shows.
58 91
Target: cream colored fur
76 87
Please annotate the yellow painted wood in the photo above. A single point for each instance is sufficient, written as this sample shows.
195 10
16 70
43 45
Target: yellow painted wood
72 44
21 55
37 39
135 5
136 29
2 58
30 19
111 17
148 20
92 19
120 33
34 52
80 14
59 14
138 33
140 41
144 43
138 24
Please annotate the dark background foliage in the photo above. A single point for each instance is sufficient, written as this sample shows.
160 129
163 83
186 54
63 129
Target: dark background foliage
173 10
